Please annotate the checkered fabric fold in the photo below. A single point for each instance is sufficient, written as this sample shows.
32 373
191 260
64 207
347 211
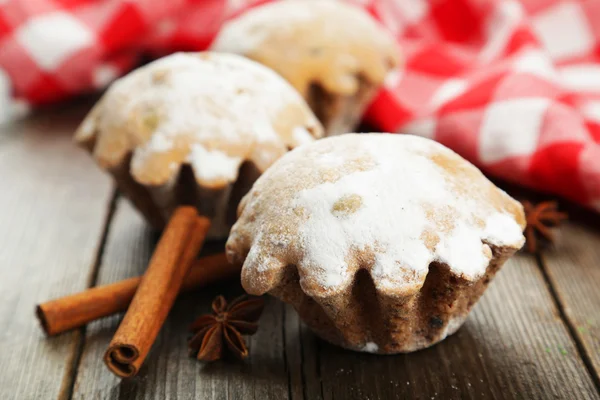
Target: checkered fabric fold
512 86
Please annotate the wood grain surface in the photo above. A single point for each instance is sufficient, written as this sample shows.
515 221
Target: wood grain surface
168 371
53 207
573 269
534 334
513 346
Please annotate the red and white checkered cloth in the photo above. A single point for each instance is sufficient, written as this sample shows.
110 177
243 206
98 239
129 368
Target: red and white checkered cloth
512 86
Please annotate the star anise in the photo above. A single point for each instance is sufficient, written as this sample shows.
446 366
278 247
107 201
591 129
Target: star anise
222 331
540 218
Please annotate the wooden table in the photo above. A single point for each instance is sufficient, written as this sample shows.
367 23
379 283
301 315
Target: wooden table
535 334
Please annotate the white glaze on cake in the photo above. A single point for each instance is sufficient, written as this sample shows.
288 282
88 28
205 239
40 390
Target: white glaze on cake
392 204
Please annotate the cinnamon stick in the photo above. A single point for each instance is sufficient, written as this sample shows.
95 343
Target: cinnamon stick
172 259
73 311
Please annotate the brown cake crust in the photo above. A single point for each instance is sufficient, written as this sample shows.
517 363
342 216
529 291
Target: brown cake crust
402 324
180 130
334 54
382 296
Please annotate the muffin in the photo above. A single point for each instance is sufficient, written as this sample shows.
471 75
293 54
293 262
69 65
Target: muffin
197 129
382 243
335 54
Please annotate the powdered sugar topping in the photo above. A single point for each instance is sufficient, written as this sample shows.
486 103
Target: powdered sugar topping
401 203
213 166
370 347
329 43
187 106
302 136
244 34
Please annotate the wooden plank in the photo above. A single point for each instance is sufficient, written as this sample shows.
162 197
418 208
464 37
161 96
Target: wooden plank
53 207
573 268
302 356
168 371
513 345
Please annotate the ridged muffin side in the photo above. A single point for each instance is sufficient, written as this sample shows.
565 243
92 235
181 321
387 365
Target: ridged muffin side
335 54
195 128
382 243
